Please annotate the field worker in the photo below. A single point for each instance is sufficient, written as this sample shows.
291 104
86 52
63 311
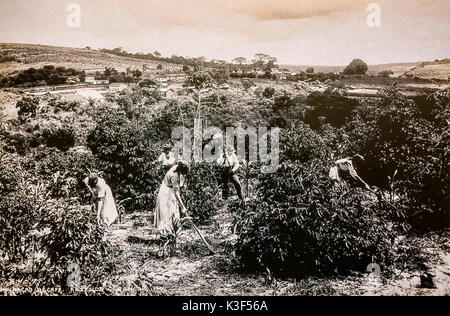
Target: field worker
229 166
169 205
346 170
101 192
167 158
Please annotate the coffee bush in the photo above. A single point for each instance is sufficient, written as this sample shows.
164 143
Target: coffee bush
40 236
407 155
201 192
300 143
68 234
299 223
128 158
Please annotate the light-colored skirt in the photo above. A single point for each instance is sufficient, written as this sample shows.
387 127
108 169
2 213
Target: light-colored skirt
109 213
167 211
334 174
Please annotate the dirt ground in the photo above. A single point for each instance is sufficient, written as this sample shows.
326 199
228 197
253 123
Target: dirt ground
8 102
193 271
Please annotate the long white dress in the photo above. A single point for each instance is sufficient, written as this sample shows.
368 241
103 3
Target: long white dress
109 212
167 211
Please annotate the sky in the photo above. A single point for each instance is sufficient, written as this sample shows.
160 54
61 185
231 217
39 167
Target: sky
302 32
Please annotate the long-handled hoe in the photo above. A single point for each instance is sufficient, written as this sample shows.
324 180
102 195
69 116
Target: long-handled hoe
190 221
384 200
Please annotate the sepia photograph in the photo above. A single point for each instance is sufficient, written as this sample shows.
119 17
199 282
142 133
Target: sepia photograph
203 149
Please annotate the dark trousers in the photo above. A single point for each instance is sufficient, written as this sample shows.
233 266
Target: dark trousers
226 177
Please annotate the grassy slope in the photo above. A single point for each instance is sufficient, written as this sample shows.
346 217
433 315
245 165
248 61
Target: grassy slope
81 59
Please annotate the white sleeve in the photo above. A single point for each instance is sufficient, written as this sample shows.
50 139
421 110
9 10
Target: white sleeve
236 161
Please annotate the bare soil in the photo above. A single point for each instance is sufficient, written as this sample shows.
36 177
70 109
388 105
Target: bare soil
142 269
8 102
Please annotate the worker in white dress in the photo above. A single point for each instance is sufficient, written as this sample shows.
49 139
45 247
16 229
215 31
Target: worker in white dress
101 192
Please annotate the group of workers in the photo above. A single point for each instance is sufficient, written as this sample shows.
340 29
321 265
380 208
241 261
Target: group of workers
170 206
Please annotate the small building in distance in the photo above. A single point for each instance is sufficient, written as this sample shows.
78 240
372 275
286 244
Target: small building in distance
177 77
162 79
171 78
104 82
90 80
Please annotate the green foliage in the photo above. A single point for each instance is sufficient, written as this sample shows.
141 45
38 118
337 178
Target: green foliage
282 102
285 109
385 73
39 236
50 133
137 73
301 144
219 76
128 155
49 74
52 235
264 61
269 92
225 109
27 107
200 194
172 114
330 105
58 105
300 224
8 59
295 222
2 116
356 67
19 141
148 83
16 209
247 83
64 171
57 123
319 76
135 103
73 237
9 173
58 135
199 80
396 141
17 215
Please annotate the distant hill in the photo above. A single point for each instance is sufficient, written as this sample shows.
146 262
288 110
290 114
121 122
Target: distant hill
299 68
14 57
426 70
27 55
